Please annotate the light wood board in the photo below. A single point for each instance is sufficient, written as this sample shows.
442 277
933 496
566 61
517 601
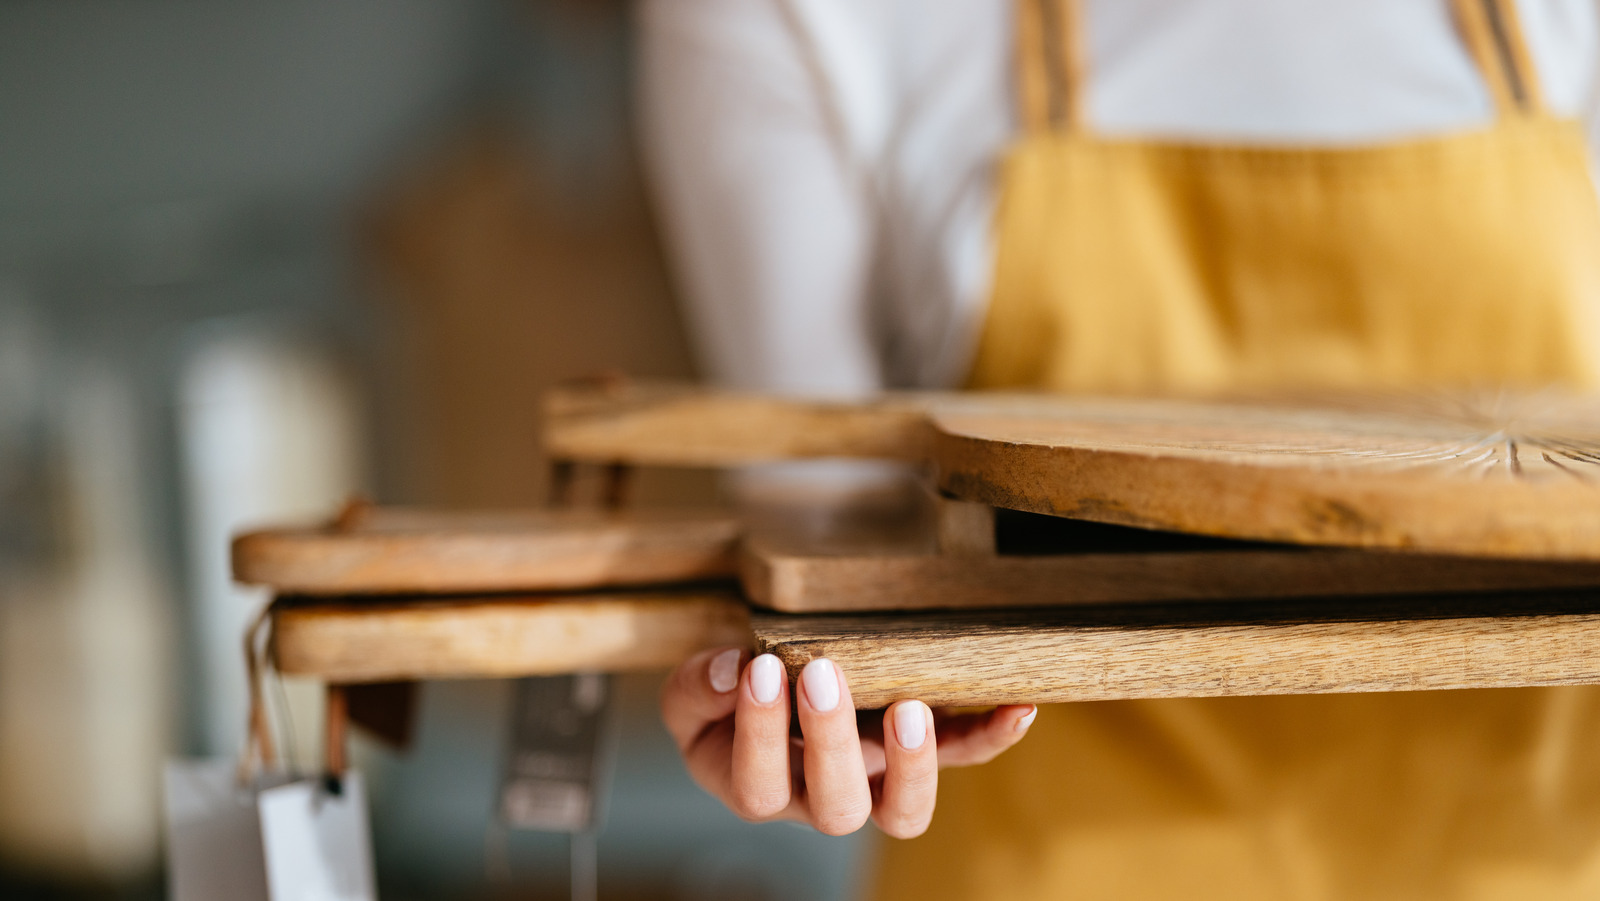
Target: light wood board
678 425
964 659
390 551
501 637
1478 474
1487 475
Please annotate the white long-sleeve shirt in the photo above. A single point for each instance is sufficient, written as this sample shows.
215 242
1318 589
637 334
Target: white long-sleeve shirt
826 169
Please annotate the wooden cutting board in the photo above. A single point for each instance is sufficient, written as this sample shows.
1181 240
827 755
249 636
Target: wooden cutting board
381 550
1476 474
1495 475
670 424
795 577
859 566
1109 653
501 636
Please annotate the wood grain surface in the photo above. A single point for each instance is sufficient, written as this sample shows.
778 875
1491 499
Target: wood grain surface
389 551
501 636
1490 474
676 425
962 659
797 578
1469 473
964 528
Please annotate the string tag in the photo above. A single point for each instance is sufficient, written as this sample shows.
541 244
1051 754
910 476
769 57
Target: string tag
317 845
275 839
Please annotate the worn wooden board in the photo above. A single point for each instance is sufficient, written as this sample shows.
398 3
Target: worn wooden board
796 577
665 424
1490 474
389 551
1089 654
501 636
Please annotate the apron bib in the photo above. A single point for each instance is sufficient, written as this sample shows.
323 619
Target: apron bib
1127 265
1136 266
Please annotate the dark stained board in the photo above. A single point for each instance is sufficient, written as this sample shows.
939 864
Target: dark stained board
1091 654
800 579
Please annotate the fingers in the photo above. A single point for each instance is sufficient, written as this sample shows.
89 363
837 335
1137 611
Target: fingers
700 692
974 738
731 722
911 773
697 707
760 781
837 793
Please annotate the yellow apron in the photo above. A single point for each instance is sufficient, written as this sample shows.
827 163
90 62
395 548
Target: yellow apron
1136 266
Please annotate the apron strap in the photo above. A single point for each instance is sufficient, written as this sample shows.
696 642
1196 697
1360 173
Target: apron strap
1050 60
1492 31
1050 65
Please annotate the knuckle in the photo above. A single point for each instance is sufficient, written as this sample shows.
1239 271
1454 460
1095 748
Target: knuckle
842 821
985 751
904 826
676 687
920 783
833 742
981 756
755 805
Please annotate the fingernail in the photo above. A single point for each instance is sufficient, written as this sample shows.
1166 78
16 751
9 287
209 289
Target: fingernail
911 725
724 671
822 684
1025 722
766 678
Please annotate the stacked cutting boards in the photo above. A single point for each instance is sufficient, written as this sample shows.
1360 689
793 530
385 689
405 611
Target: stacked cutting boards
1077 549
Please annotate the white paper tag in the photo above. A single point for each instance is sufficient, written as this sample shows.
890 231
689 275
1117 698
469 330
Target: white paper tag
213 833
317 846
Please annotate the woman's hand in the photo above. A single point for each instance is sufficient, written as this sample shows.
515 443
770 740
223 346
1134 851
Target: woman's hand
731 722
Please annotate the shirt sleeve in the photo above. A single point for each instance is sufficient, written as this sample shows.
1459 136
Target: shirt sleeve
770 233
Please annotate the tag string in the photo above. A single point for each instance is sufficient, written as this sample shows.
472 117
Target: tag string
258 746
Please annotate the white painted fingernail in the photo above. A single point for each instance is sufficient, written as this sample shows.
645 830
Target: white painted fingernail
1025 722
724 671
911 724
822 684
766 678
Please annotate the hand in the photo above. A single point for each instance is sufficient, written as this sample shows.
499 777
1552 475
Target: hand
731 722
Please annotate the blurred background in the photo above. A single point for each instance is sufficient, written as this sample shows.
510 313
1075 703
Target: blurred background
255 257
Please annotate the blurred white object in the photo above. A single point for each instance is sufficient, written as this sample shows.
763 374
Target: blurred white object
274 840
85 622
270 432
317 844
213 833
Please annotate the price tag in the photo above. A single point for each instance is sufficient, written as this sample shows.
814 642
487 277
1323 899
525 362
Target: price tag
316 841
276 839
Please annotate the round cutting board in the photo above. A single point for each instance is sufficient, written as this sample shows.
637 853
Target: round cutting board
1490 474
